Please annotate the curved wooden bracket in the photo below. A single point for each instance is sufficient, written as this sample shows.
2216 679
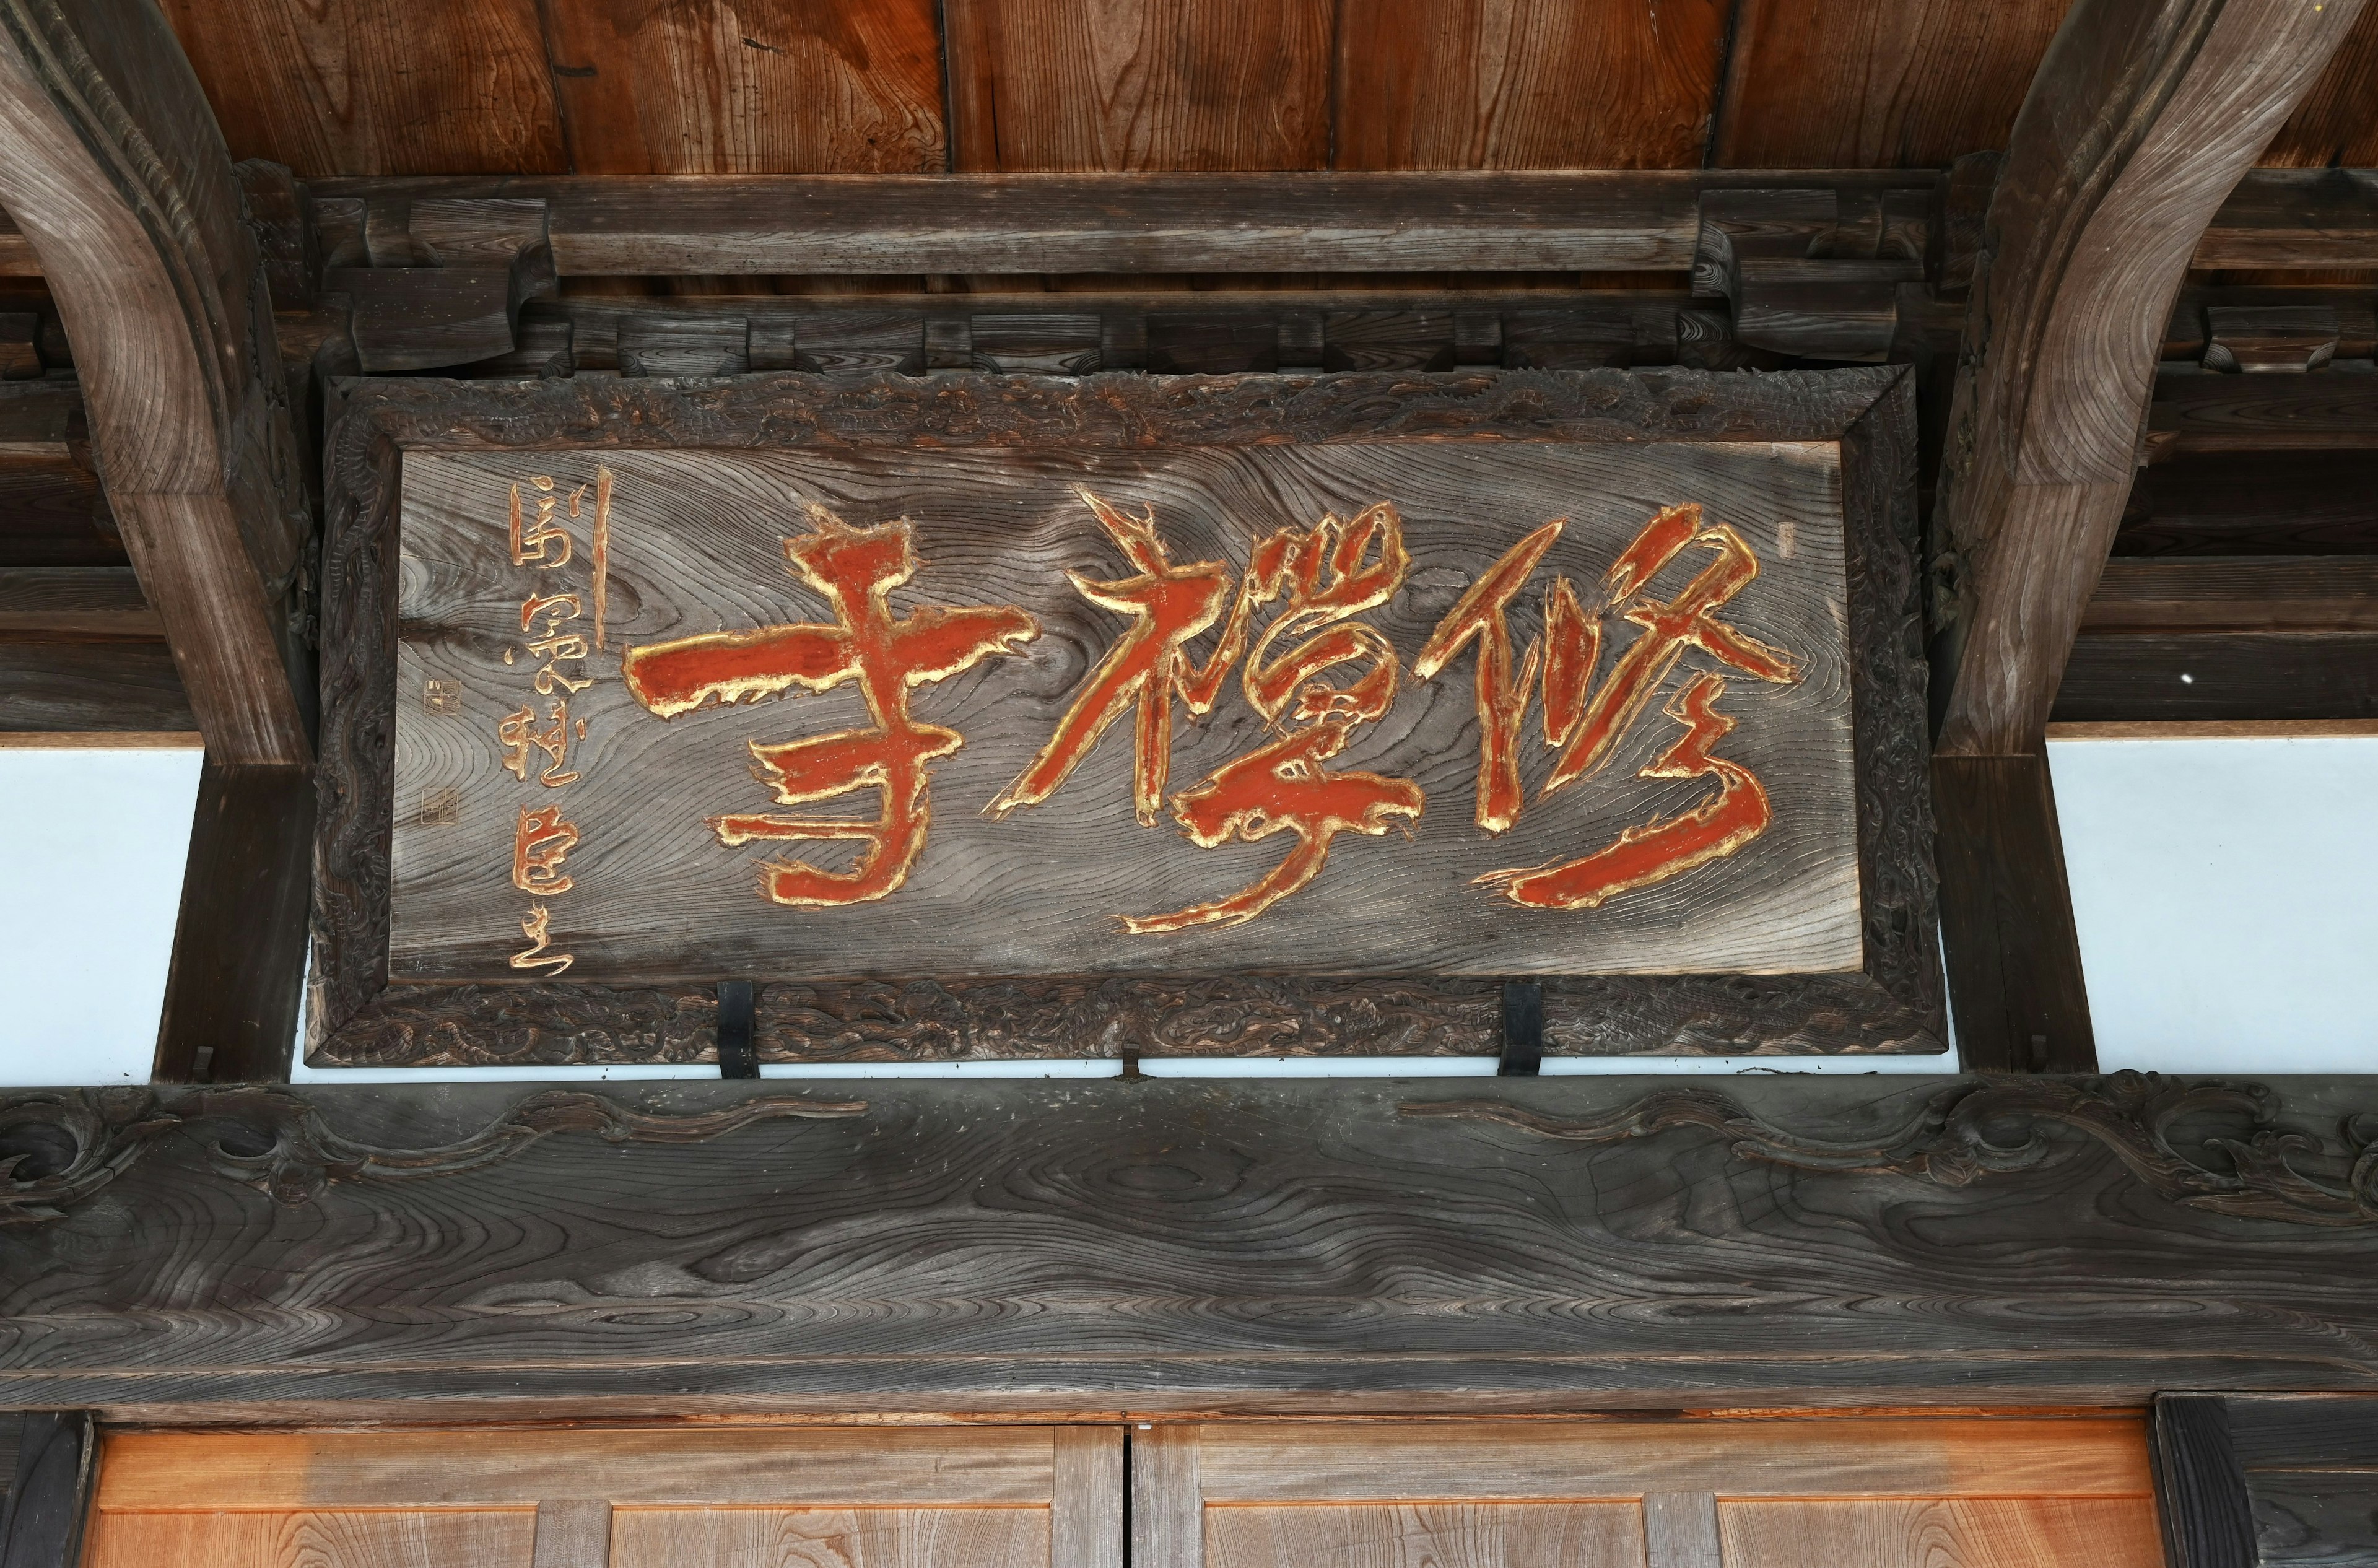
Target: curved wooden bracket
2143 119
112 165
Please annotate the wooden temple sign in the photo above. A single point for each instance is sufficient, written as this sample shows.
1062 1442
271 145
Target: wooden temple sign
1045 688
1541 708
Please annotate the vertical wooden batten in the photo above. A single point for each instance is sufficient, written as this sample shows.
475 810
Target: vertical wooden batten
111 164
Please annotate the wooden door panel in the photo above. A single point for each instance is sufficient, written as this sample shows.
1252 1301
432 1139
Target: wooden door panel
823 1537
1443 1534
310 1538
721 1497
1993 1532
1916 1455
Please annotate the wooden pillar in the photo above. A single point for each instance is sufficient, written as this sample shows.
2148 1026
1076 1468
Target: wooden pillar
112 165
2143 118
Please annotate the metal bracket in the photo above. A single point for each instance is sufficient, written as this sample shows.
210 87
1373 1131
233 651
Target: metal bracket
1523 1029
736 1011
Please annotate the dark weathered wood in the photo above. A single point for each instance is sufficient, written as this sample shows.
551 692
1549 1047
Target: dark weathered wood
2305 1432
239 947
2295 504
2208 1520
1467 221
41 1523
115 171
1887 1009
2203 594
1425 85
2264 412
2309 1467
115 684
1198 1248
2220 676
2142 120
2016 994
2295 220
76 602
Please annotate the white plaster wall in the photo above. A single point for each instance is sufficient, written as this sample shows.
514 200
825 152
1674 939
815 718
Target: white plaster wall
2226 896
2225 891
92 844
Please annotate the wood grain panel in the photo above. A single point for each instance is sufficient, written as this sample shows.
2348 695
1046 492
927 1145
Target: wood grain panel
2337 124
1945 1457
748 87
2143 676
1189 1245
1876 83
1163 84
382 1538
802 1537
2004 1532
1494 84
91 686
722 1467
377 87
1444 1535
697 544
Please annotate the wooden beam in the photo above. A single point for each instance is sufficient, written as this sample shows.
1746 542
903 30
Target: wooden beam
112 166
41 1525
2216 676
1592 221
1051 1248
239 948
2018 1001
2142 120
1445 221
2208 1517
2273 411
2202 594
2287 219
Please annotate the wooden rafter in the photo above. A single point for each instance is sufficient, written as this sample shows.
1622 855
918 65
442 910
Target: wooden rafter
112 166
2144 117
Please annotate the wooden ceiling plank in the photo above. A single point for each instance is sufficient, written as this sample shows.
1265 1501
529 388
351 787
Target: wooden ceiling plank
1876 83
2337 124
1103 223
114 170
1165 85
1476 84
377 87
764 87
2145 115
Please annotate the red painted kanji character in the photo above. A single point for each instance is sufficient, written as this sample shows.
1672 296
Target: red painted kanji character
1589 721
1328 575
1147 666
856 570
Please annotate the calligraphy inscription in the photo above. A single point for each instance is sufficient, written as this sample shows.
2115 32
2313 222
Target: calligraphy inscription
1189 712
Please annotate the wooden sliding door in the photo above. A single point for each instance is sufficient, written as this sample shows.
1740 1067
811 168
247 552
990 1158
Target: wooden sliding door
848 1497
1999 1493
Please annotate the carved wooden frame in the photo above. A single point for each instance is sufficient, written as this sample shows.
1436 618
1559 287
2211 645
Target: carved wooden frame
358 1018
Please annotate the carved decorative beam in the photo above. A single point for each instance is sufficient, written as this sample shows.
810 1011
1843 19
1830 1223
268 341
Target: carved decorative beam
112 166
